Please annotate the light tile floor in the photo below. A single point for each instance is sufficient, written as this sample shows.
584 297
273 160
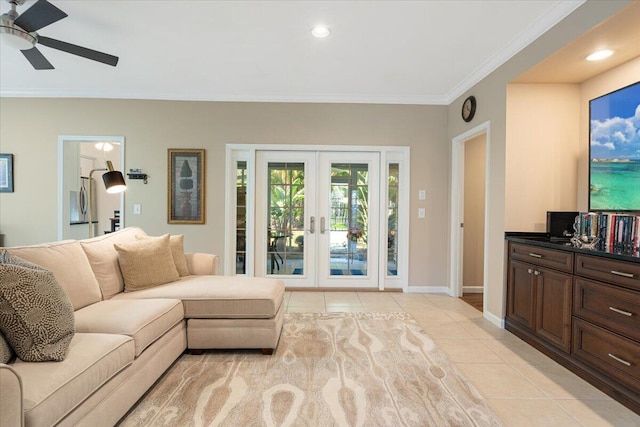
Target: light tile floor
523 386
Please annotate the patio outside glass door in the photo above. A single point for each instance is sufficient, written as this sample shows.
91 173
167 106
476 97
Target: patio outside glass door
317 218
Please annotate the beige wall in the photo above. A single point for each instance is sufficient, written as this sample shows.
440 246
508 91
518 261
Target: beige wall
474 187
543 136
492 99
29 129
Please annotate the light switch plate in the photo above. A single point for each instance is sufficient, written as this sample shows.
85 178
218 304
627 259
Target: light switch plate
422 194
137 209
421 213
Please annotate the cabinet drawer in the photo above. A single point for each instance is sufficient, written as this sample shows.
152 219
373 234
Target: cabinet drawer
609 270
615 308
610 353
559 260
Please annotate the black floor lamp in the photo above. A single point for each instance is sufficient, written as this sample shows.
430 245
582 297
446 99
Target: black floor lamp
113 182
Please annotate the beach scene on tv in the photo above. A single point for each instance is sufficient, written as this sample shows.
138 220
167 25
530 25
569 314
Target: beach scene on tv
615 151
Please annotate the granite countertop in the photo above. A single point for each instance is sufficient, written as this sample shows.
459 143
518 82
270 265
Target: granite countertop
543 240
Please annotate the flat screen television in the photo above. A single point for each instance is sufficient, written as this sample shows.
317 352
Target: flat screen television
614 151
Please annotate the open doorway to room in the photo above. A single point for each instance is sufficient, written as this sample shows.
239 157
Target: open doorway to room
468 215
82 212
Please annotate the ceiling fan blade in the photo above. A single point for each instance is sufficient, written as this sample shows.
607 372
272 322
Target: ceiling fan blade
73 49
41 14
37 59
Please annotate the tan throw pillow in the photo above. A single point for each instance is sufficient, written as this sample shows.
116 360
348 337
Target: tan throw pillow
176 243
146 263
36 315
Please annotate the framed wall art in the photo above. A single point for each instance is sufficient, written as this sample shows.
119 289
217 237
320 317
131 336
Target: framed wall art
185 200
6 173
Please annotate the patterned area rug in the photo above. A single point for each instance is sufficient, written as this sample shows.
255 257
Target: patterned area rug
343 369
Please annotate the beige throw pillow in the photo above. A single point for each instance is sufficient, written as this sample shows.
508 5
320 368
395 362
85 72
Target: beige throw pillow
176 243
36 315
146 263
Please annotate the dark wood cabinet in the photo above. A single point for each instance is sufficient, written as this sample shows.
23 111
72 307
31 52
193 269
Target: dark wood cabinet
553 307
539 298
580 308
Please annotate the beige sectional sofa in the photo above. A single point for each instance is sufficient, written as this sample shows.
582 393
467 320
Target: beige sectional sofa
124 341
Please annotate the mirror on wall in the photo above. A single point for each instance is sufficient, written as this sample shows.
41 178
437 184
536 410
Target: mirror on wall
78 156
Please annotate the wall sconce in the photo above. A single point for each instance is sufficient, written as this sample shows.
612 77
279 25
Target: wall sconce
113 182
137 174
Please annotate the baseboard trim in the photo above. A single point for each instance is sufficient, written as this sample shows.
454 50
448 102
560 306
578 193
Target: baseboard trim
473 289
330 289
499 322
428 289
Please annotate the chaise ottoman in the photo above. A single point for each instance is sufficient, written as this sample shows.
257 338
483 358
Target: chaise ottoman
225 312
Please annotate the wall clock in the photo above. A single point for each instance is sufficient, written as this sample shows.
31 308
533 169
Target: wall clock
469 108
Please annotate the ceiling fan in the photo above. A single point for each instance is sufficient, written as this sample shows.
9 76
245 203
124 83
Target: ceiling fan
19 31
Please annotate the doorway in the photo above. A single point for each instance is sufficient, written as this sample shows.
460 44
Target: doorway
77 157
468 214
317 218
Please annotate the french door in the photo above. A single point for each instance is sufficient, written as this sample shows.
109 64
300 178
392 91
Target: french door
317 218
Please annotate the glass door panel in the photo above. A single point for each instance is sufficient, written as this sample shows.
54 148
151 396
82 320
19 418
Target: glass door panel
348 219
285 240
348 245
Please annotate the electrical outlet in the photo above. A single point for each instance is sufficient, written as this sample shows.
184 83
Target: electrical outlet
421 213
137 209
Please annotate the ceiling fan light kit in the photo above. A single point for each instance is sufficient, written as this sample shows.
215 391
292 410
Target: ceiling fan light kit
18 31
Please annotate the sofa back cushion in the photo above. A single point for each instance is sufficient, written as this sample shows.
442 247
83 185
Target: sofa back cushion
68 263
103 258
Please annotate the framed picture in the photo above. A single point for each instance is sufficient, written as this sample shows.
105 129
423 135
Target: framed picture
6 173
186 186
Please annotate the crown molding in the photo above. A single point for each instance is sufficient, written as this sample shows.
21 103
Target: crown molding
556 13
167 96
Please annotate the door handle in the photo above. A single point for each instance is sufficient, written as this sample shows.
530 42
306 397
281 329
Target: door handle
312 224
322 228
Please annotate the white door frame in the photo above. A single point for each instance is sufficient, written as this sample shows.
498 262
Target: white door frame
457 208
61 199
388 154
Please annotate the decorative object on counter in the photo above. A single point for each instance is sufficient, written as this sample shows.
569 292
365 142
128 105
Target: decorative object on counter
586 232
610 232
186 186
6 173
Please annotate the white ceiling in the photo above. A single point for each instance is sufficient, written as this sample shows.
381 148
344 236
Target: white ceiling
405 52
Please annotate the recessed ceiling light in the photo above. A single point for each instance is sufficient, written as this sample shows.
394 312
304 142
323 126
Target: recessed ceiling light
320 32
599 55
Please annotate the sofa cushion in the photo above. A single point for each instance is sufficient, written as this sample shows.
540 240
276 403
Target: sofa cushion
146 263
143 320
68 262
53 389
36 315
103 258
220 296
176 242
6 352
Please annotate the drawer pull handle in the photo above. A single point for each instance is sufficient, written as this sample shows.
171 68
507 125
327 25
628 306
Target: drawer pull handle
535 255
617 359
620 273
617 310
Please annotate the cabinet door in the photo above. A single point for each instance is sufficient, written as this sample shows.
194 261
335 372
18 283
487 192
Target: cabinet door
553 307
521 293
